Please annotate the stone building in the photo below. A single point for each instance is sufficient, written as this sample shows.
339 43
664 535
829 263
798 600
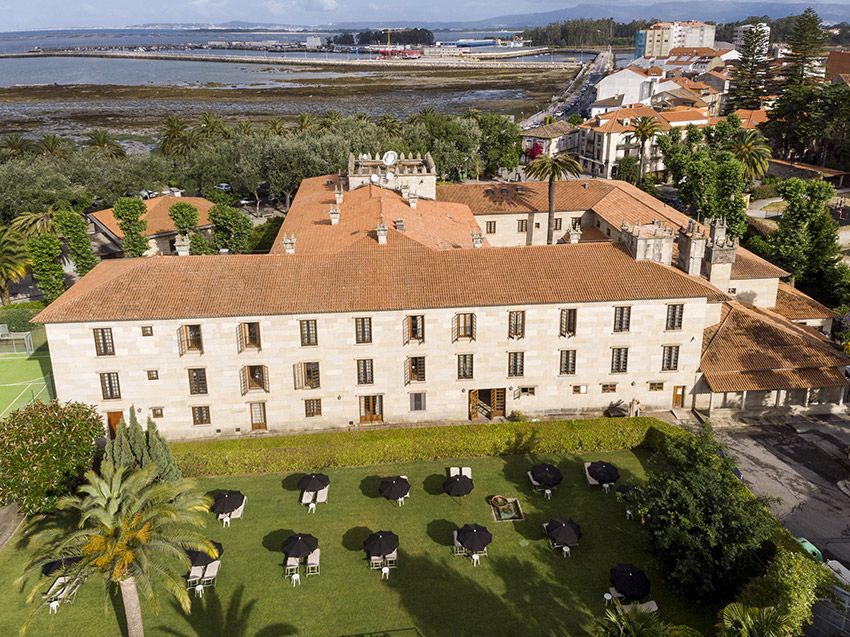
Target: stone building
382 305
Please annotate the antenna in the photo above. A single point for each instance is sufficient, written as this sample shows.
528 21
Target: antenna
390 158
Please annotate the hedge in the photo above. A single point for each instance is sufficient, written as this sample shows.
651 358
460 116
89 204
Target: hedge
302 452
17 315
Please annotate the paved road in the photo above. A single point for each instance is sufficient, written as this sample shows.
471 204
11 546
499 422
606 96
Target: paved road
799 461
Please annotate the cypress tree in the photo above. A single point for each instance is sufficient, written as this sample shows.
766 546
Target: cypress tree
136 441
161 454
122 454
751 76
806 39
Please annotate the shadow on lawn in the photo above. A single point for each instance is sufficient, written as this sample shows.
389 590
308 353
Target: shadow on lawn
290 482
354 537
369 486
209 618
433 484
274 541
440 531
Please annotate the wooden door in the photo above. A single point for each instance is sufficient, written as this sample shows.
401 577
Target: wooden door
473 404
679 396
498 402
371 409
113 418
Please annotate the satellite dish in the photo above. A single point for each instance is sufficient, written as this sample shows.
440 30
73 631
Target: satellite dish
374 179
390 158
390 175
364 156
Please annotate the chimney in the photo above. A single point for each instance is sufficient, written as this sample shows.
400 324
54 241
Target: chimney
338 196
181 245
334 215
413 199
477 240
575 234
399 225
691 244
719 255
289 244
382 233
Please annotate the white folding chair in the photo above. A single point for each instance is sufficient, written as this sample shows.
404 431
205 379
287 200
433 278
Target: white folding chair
194 576
322 496
313 562
466 471
291 567
391 559
376 562
454 471
210 573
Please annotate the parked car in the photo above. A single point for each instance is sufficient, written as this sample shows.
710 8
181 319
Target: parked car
224 187
148 194
247 201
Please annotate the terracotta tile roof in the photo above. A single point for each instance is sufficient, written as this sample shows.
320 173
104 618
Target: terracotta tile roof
756 349
751 118
695 51
795 306
549 131
440 225
615 121
615 100
157 215
751 266
684 114
837 63
366 277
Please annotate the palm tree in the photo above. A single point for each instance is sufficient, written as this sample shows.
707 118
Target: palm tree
553 168
644 128
29 224
631 622
331 120
276 127
245 128
189 141
14 259
15 145
171 132
737 620
53 146
211 125
305 122
750 148
133 532
104 142
390 126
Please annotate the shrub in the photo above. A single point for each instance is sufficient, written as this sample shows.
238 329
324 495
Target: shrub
74 228
134 447
516 416
45 251
17 316
765 191
44 449
301 452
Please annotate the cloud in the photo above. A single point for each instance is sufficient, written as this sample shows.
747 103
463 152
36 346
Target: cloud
279 7
206 5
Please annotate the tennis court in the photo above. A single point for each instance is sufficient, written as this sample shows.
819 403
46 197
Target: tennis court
24 379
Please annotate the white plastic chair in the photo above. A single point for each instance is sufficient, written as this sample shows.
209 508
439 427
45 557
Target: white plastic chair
296 579
210 573
454 471
476 559
240 511
466 471
311 508
54 607
385 573
322 496
199 590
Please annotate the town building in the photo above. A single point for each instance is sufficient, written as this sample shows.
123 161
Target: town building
838 67
160 233
661 37
549 139
741 32
390 299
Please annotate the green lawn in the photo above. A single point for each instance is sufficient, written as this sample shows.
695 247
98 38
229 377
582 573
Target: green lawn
521 588
22 377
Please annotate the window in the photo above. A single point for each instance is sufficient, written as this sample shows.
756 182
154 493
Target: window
153 374
557 224
156 412
364 372
201 416
579 389
103 345
198 381
568 362
674 316
147 330
249 336
516 364
258 415
569 318
522 225
609 388
656 386
363 330
622 318
491 227
313 407
463 326
254 378
619 360
417 401
414 370
516 324
306 375
309 337
464 366
414 329
670 358
527 391
190 339
109 386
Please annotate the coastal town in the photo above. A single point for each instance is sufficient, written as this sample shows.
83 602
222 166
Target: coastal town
595 272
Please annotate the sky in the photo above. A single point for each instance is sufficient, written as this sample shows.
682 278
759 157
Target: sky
39 14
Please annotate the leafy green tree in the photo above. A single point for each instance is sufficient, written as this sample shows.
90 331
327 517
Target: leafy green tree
750 148
807 41
750 83
737 620
575 120
730 187
231 229
699 185
500 142
705 528
45 253
30 184
630 622
628 169
264 235
31 224
553 169
73 228
199 244
133 533
14 259
104 142
44 450
185 218
130 212
390 126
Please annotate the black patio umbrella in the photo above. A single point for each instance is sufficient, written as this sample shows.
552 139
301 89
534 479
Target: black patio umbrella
381 543
202 558
458 486
603 472
546 475
61 564
394 488
563 532
474 537
300 545
227 502
314 482
631 582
